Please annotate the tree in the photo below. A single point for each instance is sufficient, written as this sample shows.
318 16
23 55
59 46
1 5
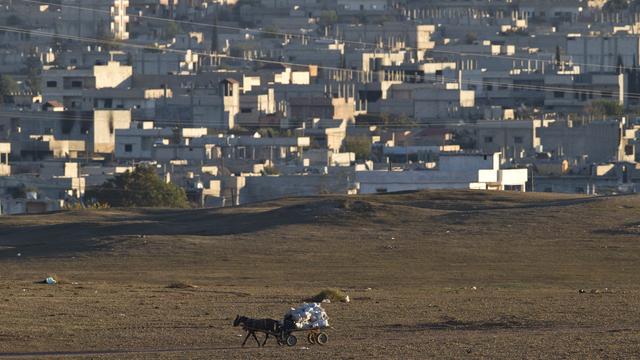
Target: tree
14 20
7 87
271 32
612 6
360 145
470 38
171 30
619 65
601 108
328 18
141 187
397 120
33 69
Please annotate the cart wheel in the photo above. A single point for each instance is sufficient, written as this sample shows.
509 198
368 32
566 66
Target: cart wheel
322 338
292 340
311 338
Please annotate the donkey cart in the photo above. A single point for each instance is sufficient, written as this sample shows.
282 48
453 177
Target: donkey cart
314 336
284 334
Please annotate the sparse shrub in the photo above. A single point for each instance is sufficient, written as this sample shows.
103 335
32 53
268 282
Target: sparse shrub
88 206
181 285
270 170
332 294
356 206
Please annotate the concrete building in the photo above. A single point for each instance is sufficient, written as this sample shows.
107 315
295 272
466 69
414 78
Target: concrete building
454 171
604 53
515 139
428 102
69 86
5 150
574 92
594 142
95 18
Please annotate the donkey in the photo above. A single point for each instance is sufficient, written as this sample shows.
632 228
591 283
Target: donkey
251 326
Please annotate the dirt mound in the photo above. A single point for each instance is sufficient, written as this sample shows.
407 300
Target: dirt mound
628 229
503 322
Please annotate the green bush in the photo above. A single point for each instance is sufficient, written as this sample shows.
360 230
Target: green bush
605 108
360 145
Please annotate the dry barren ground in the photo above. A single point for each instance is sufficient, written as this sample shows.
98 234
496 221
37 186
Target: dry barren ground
431 274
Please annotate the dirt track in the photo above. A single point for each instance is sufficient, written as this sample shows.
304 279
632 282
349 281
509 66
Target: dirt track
409 261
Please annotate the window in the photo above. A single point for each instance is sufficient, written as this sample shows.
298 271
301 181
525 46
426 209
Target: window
488 139
628 149
245 110
108 103
558 94
579 190
128 148
518 140
76 84
52 84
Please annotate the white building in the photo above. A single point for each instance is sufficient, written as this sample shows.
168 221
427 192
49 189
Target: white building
454 171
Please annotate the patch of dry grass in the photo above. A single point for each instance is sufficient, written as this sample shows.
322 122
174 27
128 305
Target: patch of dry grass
332 294
181 285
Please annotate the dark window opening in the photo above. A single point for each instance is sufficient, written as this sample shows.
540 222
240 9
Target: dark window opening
628 149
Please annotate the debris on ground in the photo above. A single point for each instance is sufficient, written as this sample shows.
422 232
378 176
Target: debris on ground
50 281
596 291
308 316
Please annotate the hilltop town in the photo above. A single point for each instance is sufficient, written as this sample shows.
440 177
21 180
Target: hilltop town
243 101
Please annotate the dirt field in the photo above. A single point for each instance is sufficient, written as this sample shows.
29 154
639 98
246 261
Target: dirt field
431 275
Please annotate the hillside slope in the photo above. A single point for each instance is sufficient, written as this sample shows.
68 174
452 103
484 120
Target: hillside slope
410 262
